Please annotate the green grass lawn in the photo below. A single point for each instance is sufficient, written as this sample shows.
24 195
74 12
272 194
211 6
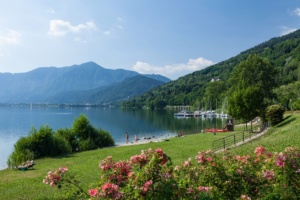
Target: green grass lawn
16 184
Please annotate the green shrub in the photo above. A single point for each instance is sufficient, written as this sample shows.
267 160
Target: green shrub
70 137
274 114
87 144
18 157
44 142
296 105
106 139
62 146
89 137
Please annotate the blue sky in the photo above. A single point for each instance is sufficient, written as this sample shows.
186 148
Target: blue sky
167 37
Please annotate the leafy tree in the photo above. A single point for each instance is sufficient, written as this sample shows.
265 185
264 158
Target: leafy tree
251 82
42 142
82 127
287 93
215 92
274 114
89 137
69 136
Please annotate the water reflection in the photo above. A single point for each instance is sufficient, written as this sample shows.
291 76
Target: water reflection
17 122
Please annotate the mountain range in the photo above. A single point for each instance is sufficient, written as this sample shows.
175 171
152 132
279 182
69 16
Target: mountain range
77 84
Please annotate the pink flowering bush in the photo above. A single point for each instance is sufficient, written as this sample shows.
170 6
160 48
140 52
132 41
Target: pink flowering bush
150 175
60 177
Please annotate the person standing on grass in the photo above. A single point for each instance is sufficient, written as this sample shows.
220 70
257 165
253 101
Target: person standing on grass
127 137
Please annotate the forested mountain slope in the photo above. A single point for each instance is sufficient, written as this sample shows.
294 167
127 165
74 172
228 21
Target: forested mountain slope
282 52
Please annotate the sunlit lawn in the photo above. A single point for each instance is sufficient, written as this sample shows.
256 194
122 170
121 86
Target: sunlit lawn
16 184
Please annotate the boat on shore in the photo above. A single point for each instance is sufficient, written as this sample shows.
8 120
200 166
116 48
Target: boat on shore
214 130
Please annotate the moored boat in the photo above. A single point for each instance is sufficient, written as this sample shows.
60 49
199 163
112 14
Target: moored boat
184 113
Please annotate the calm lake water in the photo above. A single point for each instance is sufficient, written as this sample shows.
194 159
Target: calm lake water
18 121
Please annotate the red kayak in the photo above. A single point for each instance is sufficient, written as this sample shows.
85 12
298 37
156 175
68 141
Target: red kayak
212 130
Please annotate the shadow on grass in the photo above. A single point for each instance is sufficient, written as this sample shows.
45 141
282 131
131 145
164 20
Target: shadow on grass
287 120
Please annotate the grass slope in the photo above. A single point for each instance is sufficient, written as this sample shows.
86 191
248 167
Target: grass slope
16 184
285 134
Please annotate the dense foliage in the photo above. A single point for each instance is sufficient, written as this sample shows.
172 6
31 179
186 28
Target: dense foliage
45 142
283 54
251 83
274 114
289 95
150 175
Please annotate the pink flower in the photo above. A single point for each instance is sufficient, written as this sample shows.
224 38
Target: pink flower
135 159
268 174
259 151
200 157
54 177
280 160
239 171
146 185
209 159
242 159
189 190
52 184
106 164
176 168
245 197
187 163
110 190
63 169
93 192
204 189
159 151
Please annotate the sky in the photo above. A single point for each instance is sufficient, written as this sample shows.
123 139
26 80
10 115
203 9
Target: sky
168 37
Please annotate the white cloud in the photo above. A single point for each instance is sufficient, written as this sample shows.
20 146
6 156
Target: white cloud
61 28
296 12
173 71
286 30
10 37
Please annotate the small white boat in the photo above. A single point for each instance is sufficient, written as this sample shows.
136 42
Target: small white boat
184 113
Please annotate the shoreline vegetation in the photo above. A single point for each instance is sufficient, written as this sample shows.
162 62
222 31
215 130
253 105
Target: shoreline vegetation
16 184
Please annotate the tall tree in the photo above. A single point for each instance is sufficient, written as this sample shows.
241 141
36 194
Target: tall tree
251 82
214 92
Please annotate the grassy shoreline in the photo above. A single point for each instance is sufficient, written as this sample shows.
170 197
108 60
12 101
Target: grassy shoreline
16 184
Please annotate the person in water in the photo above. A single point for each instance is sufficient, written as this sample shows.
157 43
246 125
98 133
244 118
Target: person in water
127 137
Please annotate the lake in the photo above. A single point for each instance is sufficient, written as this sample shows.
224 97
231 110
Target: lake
18 121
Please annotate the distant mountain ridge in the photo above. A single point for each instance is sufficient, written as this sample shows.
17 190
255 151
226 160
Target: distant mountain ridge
110 94
43 84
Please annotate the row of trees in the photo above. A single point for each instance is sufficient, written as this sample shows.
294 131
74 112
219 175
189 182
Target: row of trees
46 142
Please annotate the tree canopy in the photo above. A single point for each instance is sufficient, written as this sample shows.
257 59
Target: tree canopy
251 83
